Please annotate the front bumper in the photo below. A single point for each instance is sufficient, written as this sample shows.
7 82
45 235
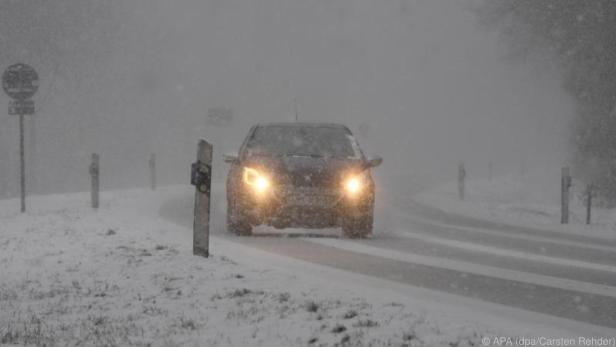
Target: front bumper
304 207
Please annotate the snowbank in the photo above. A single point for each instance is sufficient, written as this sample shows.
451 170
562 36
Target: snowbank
531 200
123 276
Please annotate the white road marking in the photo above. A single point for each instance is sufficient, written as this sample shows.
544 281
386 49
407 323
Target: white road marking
508 253
579 244
461 266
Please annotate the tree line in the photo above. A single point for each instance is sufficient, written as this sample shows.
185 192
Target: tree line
580 37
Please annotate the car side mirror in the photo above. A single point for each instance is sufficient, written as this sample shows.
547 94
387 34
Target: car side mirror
374 161
230 158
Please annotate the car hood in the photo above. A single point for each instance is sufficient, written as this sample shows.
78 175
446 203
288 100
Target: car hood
304 171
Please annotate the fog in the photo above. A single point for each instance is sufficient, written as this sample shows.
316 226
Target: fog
429 85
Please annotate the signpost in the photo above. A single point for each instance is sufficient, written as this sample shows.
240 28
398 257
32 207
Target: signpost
20 82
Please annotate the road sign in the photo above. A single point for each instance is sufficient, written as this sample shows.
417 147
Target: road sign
220 116
21 107
20 81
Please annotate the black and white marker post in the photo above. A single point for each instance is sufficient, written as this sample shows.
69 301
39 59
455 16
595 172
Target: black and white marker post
152 165
95 180
461 178
201 178
565 185
20 82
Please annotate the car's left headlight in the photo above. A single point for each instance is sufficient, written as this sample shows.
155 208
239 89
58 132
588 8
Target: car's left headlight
257 180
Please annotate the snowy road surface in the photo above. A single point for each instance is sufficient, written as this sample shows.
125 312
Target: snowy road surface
559 274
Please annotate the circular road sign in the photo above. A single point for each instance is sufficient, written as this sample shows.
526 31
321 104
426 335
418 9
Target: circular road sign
20 81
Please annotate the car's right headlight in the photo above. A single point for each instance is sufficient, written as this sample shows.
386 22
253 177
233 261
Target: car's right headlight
355 184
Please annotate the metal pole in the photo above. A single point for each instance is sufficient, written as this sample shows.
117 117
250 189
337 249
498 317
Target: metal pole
22 163
31 161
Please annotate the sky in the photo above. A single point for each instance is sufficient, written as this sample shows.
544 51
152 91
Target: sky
429 83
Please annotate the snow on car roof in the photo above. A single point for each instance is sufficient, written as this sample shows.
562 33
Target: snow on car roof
303 124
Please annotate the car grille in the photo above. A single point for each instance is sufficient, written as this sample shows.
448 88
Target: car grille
310 180
309 197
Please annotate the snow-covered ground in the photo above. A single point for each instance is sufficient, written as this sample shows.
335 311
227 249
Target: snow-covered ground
122 276
531 200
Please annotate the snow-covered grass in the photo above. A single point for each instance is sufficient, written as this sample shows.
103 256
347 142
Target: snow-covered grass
123 276
531 200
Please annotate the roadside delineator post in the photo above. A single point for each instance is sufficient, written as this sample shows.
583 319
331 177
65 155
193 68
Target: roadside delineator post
201 178
589 190
461 178
152 165
523 168
490 169
565 185
95 179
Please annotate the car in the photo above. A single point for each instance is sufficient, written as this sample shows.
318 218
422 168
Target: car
301 175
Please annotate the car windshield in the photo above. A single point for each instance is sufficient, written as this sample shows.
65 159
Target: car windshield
303 141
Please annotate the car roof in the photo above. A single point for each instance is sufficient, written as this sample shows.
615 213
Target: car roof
303 125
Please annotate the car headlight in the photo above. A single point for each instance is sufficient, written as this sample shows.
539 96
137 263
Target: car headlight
256 179
355 184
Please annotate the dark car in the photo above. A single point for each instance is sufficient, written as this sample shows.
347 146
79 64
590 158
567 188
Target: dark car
300 175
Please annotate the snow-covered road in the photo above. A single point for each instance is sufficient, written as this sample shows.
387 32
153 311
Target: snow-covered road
559 274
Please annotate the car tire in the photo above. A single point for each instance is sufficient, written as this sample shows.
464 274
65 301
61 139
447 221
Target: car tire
236 224
358 227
